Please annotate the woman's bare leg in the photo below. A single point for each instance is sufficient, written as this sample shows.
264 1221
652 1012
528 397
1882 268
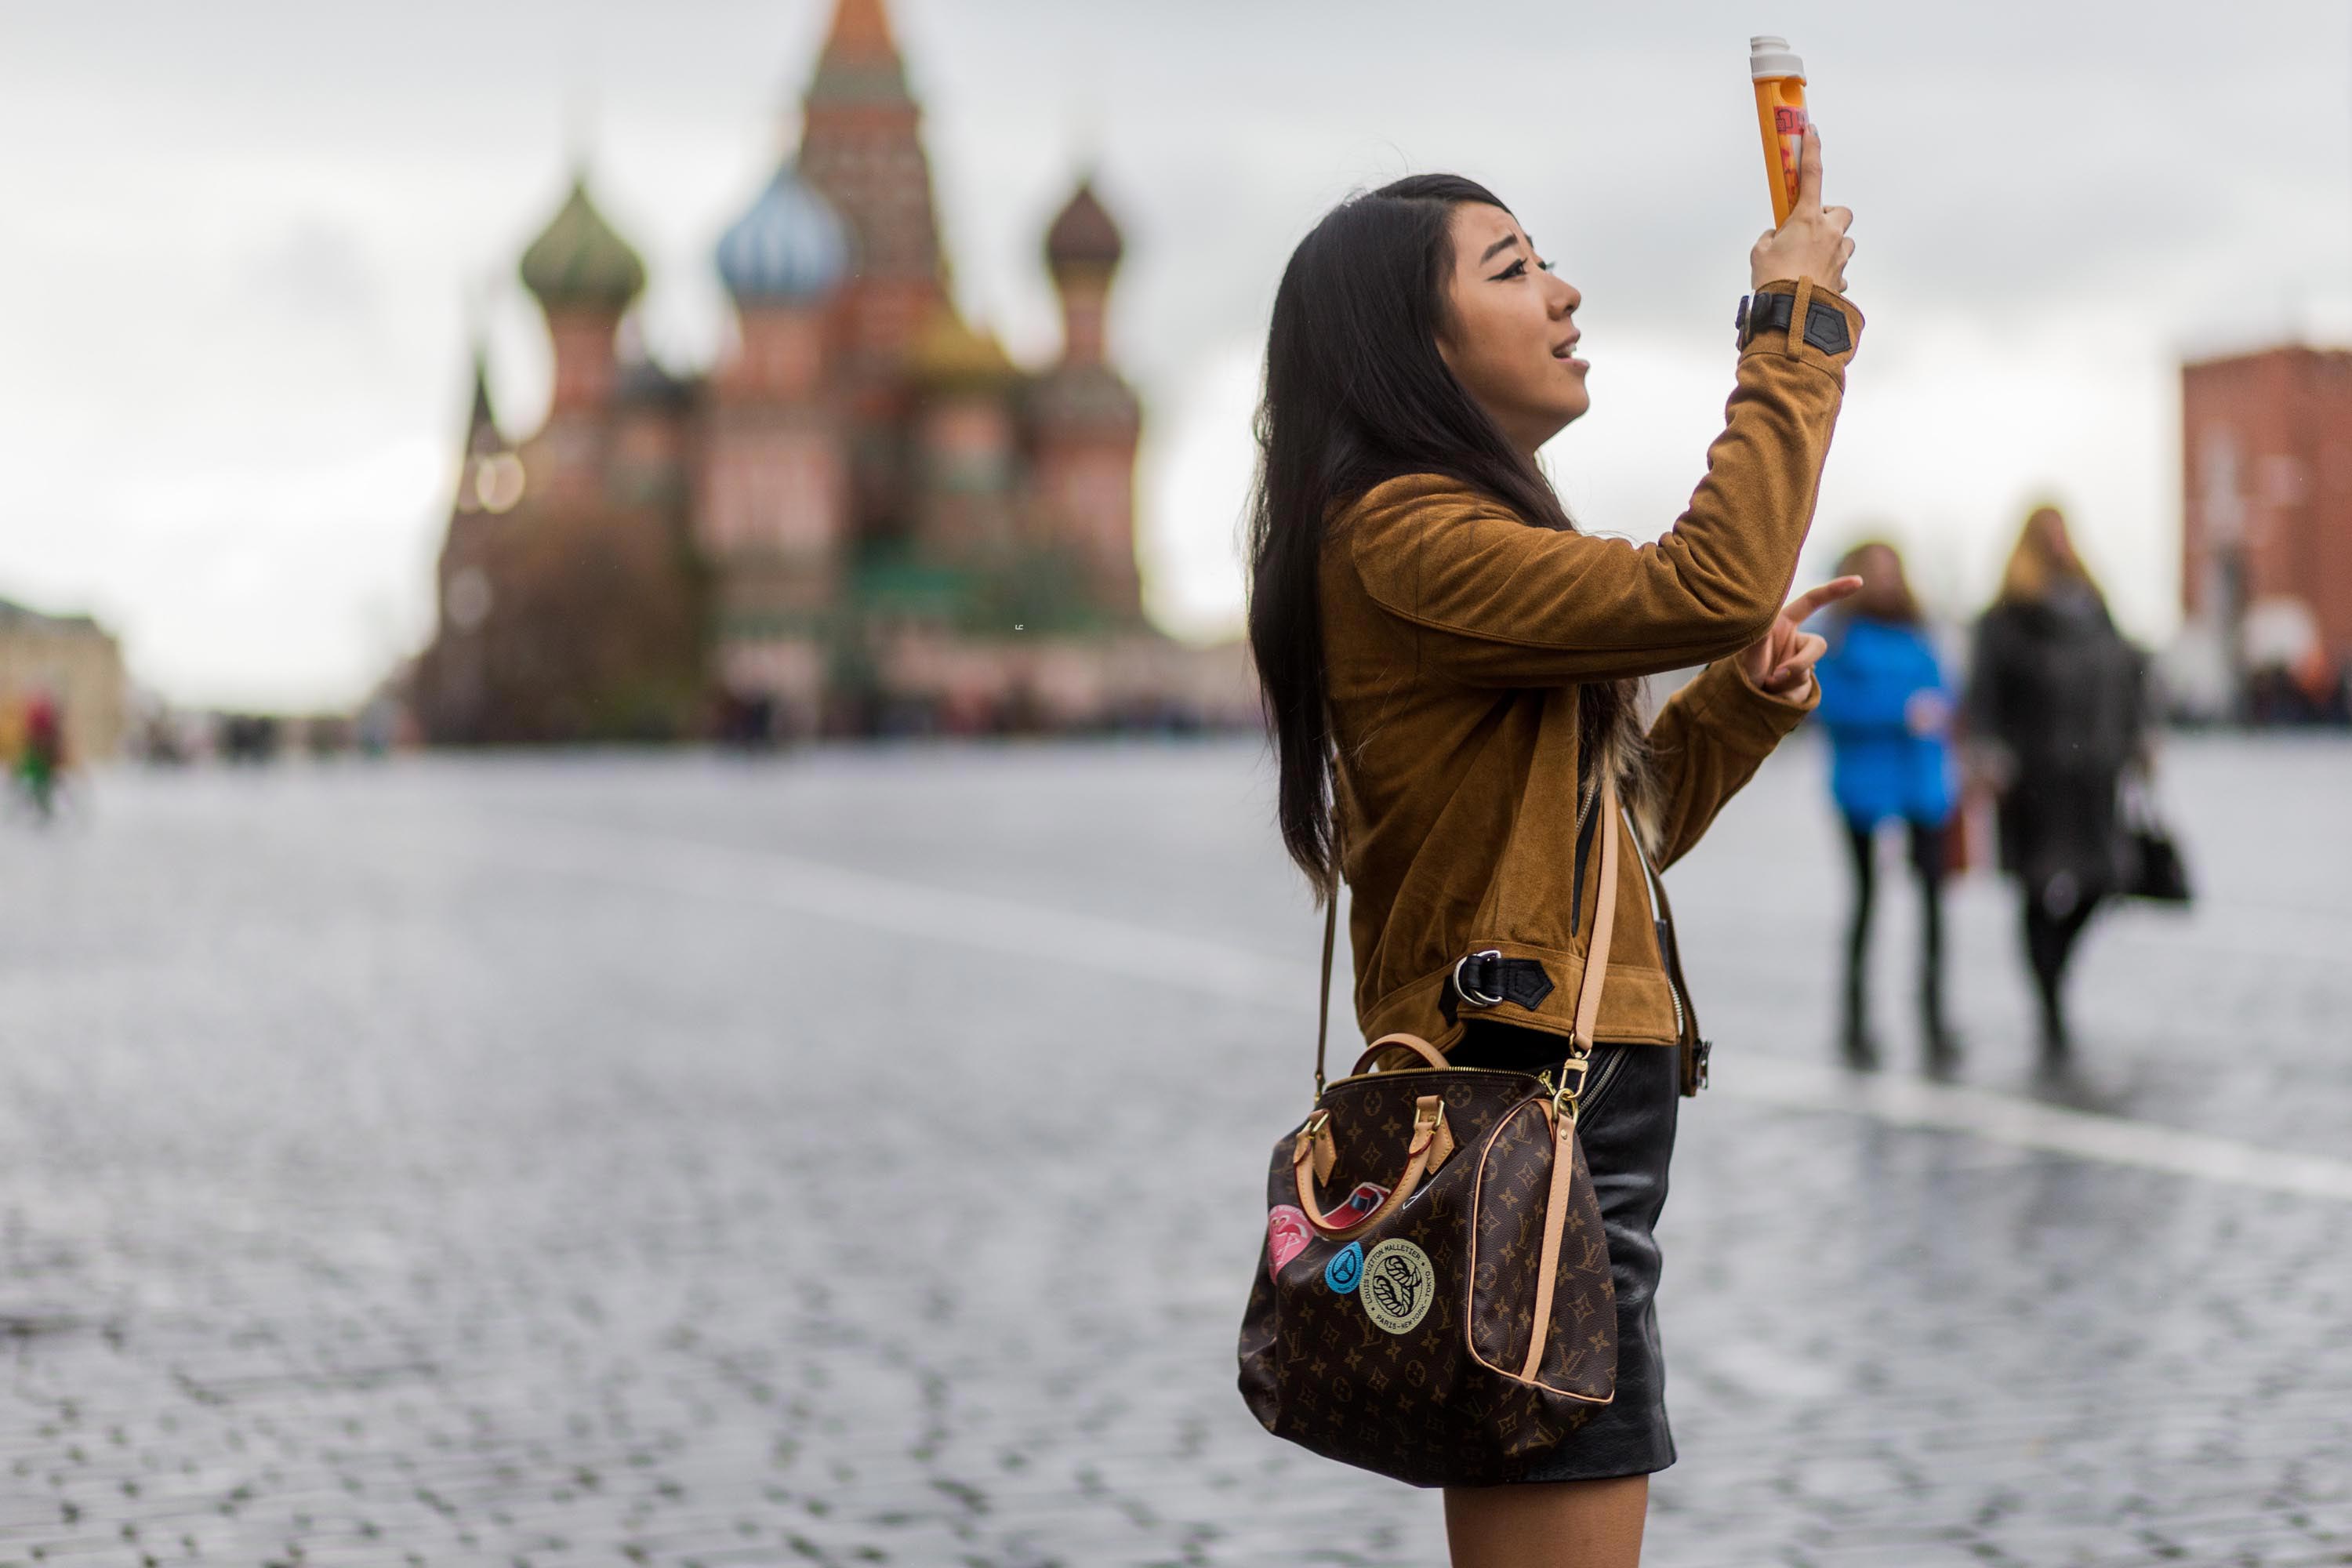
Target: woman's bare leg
1557 1524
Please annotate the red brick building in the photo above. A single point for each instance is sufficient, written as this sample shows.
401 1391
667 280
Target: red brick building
865 515
2266 535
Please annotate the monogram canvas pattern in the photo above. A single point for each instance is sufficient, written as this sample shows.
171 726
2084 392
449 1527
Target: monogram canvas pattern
1580 1354
1440 1403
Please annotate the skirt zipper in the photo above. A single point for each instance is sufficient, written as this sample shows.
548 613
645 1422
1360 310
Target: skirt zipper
1592 1091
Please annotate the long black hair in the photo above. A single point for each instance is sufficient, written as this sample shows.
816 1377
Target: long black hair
1356 394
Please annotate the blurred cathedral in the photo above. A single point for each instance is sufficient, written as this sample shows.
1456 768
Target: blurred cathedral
867 517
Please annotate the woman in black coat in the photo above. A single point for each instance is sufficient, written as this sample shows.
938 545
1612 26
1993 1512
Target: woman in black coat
2055 714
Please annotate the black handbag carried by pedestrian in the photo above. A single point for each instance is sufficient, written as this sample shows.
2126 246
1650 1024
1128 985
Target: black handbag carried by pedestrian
2156 870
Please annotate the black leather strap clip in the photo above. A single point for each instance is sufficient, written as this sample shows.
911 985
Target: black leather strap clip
1826 326
1489 980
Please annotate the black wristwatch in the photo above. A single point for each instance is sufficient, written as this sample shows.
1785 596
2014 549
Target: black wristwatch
1769 312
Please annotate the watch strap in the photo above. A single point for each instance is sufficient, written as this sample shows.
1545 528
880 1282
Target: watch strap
1770 311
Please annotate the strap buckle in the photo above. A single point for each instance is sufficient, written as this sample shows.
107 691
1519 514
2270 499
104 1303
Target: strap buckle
1469 993
1579 1060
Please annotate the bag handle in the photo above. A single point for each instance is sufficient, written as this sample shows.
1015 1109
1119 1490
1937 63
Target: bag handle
1432 1142
1428 1053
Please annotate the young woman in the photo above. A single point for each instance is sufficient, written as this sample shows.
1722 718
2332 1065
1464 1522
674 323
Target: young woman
2055 714
1889 716
1448 664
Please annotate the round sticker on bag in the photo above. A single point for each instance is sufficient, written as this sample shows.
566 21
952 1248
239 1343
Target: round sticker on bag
1345 1268
1397 1283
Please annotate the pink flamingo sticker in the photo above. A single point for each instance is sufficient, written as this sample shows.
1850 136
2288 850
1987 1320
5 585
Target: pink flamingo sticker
1285 1237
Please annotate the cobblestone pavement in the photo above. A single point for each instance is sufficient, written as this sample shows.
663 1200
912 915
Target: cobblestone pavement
855 1158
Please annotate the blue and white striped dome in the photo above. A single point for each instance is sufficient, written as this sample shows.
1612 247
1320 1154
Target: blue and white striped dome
792 244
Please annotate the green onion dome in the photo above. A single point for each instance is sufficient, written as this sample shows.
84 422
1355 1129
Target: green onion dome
578 259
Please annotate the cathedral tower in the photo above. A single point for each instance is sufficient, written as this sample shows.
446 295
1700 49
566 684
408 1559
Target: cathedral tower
775 517
965 443
1086 419
584 275
861 144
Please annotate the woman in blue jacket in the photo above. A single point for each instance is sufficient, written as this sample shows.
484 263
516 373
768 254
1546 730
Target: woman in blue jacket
1889 716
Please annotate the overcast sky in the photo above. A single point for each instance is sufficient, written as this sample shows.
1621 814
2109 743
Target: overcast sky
241 243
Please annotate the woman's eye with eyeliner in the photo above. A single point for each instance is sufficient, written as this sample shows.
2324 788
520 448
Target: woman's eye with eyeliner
1516 269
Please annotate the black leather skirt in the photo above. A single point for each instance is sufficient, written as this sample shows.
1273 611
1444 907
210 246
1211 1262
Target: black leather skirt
1627 1124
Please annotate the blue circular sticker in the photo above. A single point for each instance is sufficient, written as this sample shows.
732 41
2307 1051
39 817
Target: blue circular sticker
1344 1269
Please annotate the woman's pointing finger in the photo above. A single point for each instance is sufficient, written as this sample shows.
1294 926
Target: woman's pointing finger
1812 600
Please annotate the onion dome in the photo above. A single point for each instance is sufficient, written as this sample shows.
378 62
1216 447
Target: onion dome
1082 234
791 246
578 259
952 356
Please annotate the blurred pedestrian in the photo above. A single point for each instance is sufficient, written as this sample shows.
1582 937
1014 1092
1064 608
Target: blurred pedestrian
2056 711
1453 672
42 759
1889 715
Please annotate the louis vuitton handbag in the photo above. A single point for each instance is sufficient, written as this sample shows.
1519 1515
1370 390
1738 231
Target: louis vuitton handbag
1433 1301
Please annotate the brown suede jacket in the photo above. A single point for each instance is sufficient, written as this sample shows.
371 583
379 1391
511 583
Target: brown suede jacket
1455 636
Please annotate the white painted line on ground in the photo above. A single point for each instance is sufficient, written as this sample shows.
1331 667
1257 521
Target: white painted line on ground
778 881
2032 1124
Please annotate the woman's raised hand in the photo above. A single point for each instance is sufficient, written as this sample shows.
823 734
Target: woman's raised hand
1813 243
1781 661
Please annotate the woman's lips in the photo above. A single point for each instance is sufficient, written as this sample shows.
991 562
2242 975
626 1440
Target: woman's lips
1563 354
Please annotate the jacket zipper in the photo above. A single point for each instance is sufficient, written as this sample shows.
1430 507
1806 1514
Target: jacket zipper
1669 960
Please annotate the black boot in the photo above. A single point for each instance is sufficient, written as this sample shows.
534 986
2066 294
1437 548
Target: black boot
1943 1046
1856 1043
2057 1040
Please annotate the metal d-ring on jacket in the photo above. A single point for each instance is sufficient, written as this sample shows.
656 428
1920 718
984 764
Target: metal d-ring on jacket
1455 636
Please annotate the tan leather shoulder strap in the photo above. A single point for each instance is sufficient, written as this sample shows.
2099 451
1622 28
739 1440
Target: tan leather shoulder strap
1604 921
1323 991
1587 1018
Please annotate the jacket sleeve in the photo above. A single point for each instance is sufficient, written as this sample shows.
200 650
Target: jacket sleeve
1497 602
1707 742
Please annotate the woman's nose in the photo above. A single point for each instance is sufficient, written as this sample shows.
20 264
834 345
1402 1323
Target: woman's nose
1564 297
